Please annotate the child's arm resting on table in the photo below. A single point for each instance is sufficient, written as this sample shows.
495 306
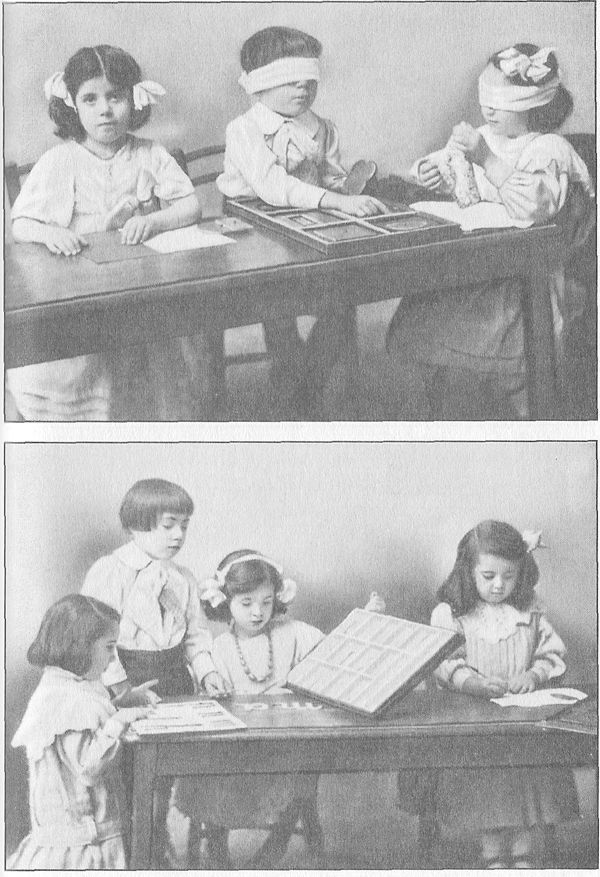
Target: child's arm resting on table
198 643
454 672
184 211
58 240
548 660
87 753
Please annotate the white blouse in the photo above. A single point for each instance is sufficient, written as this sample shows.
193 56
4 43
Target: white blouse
130 581
286 162
73 188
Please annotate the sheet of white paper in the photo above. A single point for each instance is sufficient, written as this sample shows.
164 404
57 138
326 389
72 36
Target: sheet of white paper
542 697
482 215
205 715
189 238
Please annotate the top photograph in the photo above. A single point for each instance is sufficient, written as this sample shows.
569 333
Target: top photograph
300 211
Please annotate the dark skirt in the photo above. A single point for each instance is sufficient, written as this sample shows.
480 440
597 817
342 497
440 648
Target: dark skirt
168 666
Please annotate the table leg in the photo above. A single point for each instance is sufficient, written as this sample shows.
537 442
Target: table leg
144 770
539 347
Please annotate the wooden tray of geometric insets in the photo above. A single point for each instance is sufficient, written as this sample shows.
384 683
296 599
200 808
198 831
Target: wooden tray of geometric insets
339 234
371 660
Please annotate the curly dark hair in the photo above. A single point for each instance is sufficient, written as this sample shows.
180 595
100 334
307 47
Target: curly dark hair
271 43
489 537
242 578
121 70
551 116
68 630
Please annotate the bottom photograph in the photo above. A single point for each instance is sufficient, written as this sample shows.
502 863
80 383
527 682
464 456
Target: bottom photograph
310 656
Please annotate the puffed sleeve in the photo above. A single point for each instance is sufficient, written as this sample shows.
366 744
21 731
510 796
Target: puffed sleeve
247 154
333 174
105 581
48 192
171 183
197 640
453 672
87 753
307 637
548 658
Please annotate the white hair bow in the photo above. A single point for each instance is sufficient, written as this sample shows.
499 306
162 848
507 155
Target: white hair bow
212 592
55 86
288 592
146 92
532 540
530 68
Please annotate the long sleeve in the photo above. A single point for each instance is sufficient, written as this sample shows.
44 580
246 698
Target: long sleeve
87 753
548 658
454 671
197 640
333 175
248 157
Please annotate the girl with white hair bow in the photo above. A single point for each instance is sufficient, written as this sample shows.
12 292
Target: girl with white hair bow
460 354
102 178
254 656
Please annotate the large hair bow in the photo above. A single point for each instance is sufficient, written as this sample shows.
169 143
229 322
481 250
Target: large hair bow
212 592
146 92
531 68
55 86
532 540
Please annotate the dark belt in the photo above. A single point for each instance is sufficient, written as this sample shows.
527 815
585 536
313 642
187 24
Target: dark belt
168 666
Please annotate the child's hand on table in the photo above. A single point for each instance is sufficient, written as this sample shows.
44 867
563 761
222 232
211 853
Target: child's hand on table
138 696
355 205
429 175
523 682
63 241
485 686
138 229
131 714
214 685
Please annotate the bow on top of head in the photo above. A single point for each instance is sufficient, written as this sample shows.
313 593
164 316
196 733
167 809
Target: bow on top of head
532 540
531 68
212 589
144 92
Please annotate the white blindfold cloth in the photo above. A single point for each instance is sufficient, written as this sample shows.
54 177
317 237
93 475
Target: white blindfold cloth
498 91
280 72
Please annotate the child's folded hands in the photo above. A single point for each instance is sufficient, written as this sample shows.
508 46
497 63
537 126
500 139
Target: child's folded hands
63 241
485 686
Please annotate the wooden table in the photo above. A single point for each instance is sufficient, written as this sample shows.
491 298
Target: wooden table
289 733
57 307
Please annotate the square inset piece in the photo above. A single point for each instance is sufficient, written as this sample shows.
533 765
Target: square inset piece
347 231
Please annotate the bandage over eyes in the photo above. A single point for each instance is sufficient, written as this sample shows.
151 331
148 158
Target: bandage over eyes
280 72
499 92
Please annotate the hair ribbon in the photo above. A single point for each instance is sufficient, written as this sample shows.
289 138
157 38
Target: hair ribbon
532 540
212 592
55 86
146 92
213 587
531 68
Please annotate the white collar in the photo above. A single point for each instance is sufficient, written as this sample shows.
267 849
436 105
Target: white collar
270 122
132 556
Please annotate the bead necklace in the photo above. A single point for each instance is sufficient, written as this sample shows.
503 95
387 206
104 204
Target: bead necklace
244 663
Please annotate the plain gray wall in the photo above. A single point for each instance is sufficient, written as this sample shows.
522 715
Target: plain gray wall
344 519
396 76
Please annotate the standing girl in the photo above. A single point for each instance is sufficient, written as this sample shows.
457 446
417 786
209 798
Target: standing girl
72 735
460 354
509 646
101 178
254 656
282 152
